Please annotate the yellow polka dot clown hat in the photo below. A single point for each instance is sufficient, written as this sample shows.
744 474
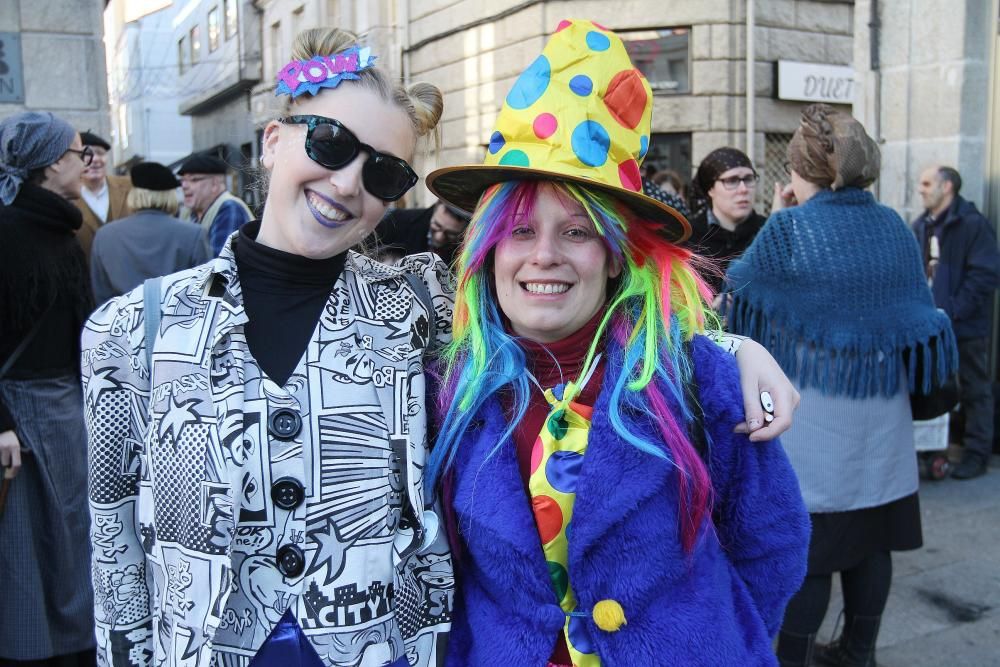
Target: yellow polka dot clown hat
580 113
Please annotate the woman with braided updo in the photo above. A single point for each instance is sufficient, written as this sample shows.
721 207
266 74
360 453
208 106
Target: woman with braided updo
835 287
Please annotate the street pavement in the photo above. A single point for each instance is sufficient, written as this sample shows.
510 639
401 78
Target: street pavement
944 606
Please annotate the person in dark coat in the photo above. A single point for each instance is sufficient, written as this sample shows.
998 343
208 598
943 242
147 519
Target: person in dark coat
151 242
963 267
406 231
725 222
46 614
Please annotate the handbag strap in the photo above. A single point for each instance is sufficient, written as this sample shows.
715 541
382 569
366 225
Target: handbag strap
23 345
151 311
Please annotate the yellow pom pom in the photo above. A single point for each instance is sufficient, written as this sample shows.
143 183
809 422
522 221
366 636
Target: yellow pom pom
609 615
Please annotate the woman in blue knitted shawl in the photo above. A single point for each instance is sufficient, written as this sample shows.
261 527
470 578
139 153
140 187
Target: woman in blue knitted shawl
835 288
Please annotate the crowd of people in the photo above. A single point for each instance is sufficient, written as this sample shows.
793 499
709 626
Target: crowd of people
532 424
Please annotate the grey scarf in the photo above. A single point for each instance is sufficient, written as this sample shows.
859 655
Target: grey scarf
28 141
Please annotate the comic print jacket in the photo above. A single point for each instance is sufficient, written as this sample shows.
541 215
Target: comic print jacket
185 530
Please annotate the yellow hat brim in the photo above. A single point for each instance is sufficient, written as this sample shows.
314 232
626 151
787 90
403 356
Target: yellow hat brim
462 187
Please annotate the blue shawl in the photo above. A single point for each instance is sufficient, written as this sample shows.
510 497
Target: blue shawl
836 290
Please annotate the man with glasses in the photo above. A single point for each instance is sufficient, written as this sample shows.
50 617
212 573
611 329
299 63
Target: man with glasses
725 222
439 229
102 198
220 213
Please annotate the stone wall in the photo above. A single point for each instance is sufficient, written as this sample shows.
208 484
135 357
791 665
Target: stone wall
933 103
476 65
62 51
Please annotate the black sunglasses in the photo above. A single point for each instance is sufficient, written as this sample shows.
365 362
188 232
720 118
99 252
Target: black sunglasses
330 144
86 155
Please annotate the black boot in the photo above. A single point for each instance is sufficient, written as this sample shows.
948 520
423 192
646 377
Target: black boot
795 650
855 647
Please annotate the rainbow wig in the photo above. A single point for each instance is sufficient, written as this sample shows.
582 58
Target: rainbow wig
655 306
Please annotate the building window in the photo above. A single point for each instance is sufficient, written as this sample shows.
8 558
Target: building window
232 18
182 54
273 45
663 56
669 151
772 171
213 29
195 36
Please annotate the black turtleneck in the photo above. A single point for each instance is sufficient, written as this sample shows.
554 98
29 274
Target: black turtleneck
284 295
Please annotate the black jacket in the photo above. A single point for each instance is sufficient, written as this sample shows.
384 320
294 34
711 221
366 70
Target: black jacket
720 244
969 266
43 276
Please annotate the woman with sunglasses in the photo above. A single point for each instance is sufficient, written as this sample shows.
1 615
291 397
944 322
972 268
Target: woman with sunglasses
602 509
725 222
257 457
45 597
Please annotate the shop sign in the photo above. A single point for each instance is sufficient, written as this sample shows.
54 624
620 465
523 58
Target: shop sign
11 74
811 82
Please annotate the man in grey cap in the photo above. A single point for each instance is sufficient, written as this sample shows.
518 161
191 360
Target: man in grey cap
203 180
102 198
150 242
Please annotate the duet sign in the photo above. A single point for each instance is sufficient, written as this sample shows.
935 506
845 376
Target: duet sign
811 82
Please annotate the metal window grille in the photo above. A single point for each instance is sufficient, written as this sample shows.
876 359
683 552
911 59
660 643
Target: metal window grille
772 170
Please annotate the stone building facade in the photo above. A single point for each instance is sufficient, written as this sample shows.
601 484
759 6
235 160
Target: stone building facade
144 86
694 54
928 97
62 60
219 60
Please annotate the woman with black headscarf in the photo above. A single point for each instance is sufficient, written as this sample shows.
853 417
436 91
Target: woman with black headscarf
726 222
46 615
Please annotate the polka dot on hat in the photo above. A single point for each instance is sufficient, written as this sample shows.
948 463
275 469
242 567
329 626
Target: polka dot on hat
496 143
626 98
591 143
545 125
531 85
581 85
598 41
580 110
515 158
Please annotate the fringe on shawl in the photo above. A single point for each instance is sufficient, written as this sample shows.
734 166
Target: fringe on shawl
858 368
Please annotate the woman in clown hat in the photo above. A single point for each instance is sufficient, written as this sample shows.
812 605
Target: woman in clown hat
602 510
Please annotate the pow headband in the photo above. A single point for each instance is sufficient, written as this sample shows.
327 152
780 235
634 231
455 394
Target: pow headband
310 76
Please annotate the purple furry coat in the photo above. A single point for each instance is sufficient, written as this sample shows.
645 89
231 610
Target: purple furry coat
717 606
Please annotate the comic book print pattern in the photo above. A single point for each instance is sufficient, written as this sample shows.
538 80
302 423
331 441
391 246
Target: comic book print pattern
185 530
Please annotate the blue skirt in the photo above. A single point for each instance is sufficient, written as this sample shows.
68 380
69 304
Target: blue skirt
46 600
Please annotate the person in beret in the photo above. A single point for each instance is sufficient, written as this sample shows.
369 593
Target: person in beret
102 198
46 603
150 242
220 213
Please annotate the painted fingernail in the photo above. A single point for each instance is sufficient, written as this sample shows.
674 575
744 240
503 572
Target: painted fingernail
753 424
